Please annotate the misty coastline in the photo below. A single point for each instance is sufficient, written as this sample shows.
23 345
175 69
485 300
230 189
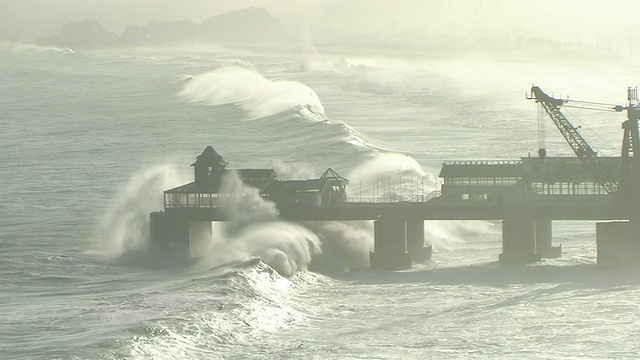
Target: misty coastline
255 27
251 26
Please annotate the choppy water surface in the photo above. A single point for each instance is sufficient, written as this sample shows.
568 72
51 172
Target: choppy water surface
90 139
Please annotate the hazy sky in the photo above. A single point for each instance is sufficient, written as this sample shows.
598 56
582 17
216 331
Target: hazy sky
585 20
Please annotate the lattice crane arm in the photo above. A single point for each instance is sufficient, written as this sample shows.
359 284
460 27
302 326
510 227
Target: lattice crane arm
580 146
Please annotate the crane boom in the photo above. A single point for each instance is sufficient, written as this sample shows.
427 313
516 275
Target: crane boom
578 143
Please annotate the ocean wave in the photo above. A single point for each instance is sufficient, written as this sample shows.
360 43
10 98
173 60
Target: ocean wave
224 315
32 48
252 92
285 108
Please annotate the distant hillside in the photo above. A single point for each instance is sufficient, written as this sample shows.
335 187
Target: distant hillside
247 26
250 26
86 33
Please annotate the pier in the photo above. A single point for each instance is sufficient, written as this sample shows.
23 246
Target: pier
526 195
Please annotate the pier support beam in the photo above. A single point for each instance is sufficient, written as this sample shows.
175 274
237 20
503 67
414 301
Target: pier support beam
618 244
390 246
518 241
170 234
544 246
415 242
199 238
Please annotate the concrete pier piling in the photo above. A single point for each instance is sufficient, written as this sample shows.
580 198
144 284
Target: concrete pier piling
415 242
390 245
544 236
199 238
518 241
170 234
618 244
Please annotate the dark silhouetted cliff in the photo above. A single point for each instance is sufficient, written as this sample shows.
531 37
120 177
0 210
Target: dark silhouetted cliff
251 26
86 33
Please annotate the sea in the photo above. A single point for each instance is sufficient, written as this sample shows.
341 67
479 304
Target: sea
91 138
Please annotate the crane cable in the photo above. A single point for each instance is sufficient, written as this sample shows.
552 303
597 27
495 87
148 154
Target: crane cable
582 123
542 131
593 103
589 105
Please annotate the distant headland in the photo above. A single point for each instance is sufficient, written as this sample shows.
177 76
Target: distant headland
251 26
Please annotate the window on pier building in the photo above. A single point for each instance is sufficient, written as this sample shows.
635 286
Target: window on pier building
566 188
482 181
475 197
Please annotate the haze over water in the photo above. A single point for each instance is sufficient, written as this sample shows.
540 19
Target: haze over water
91 138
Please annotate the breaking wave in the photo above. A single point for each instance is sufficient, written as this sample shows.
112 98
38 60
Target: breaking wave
32 48
253 93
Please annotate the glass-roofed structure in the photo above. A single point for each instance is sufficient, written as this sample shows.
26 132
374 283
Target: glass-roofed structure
529 179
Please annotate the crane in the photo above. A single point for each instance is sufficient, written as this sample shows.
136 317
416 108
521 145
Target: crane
623 191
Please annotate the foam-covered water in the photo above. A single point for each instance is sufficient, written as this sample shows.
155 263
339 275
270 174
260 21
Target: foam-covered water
90 139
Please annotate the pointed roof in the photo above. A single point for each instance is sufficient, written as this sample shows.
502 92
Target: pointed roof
208 156
333 176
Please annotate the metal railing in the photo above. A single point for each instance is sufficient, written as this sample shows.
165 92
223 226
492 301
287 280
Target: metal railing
482 162
394 198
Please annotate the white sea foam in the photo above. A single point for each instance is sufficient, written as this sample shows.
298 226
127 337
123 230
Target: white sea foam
258 96
254 230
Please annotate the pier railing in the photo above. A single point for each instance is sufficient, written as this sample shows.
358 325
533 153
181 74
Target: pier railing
483 162
392 198
206 201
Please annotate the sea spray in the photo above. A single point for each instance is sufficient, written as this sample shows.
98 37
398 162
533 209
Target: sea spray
286 247
292 170
253 230
244 206
398 177
386 164
126 224
345 245
256 95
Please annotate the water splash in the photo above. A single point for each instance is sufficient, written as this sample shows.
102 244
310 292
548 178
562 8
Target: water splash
286 247
245 206
126 224
345 245
393 177
254 230
385 164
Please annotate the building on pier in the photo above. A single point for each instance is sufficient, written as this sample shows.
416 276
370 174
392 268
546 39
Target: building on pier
328 190
209 188
524 181
527 183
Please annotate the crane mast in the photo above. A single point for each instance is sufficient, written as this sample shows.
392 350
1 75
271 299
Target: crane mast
630 177
576 141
